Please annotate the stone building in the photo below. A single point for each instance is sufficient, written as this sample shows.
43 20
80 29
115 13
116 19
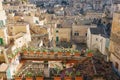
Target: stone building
62 33
115 42
2 15
79 33
19 34
97 40
3 29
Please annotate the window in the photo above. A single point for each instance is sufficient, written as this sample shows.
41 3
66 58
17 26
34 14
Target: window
101 40
96 39
10 33
59 25
11 27
76 34
57 39
1 23
86 34
1 41
38 38
1 52
116 65
11 40
57 31
37 22
24 6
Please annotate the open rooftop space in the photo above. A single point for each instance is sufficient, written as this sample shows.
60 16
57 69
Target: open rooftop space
51 64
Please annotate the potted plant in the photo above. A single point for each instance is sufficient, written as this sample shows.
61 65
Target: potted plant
39 76
63 52
29 76
72 53
57 74
57 52
68 51
89 53
37 52
31 50
78 76
25 50
51 51
76 53
68 75
40 52
60 52
18 78
45 51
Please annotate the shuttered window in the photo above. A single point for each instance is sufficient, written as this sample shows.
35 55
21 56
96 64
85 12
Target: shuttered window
1 23
57 39
1 41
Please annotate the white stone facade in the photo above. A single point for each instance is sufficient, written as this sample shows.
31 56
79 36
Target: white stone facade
95 41
19 42
3 29
2 15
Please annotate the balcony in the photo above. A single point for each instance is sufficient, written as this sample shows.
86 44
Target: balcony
51 54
